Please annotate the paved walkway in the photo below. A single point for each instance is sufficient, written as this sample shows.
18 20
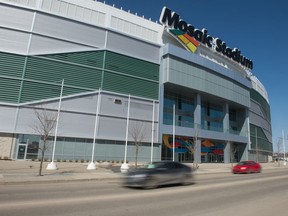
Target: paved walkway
13 172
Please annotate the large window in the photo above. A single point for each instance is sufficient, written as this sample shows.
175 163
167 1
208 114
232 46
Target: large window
184 110
259 140
211 117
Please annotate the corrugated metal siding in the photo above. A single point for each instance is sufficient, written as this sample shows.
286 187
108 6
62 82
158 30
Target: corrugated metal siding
81 72
131 66
54 71
130 85
11 65
131 76
9 90
36 91
93 59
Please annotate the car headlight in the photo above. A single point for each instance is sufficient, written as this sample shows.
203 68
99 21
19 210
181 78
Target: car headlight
243 168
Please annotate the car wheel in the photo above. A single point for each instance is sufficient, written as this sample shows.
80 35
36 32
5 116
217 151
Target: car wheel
150 183
248 171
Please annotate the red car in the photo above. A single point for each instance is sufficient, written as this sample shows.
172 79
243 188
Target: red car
247 167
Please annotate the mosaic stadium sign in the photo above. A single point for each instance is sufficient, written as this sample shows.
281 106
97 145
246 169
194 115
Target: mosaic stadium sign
191 38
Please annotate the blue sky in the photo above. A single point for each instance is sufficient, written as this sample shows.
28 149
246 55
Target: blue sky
257 27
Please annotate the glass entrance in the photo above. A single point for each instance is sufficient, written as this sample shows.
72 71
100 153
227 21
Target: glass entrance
22 149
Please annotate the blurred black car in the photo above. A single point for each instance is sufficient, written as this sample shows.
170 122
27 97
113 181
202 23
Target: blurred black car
157 174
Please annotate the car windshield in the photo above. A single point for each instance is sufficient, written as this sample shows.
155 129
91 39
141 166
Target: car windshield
242 163
154 165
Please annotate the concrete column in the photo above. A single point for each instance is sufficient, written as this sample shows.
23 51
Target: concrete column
197 112
227 152
197 153
226 124
197 128
245 154
246 130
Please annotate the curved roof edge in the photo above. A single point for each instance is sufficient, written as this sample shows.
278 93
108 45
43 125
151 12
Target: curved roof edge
259 87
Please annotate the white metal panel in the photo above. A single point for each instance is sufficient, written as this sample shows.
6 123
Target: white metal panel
7 117
26 121
69 30
15 18
76 125
46 45
133 47
112 128
13 41
139 109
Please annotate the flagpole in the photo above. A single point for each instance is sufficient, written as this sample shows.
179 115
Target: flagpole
152 134
174 119
52 165
124 167
284 150
92 165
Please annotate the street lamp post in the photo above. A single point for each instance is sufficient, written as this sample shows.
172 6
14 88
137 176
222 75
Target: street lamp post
152 135
174 122
257 153
52 165
124 167
284 150
92 165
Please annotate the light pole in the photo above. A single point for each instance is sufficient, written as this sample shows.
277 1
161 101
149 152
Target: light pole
152 135
174 119
91 165
256 135
124 167
52 165
284 150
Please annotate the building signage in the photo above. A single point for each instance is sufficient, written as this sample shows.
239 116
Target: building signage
191 38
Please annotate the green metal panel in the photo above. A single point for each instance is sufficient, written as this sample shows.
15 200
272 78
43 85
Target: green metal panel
54 71
9 90
130 85
11 65
37 91
256 96
128 75
93 59
41 76
131 66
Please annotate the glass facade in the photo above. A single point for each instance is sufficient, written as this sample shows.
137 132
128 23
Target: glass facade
211 117
259 141
184 110
211 151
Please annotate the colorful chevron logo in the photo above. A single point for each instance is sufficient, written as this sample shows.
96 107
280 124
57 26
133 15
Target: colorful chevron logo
187 41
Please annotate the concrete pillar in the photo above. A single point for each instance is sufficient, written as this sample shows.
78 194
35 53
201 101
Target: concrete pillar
226 124
197 153
197 128
227 152
244 156
246 130
197 112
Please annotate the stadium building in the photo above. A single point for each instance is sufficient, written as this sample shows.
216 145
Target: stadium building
124 86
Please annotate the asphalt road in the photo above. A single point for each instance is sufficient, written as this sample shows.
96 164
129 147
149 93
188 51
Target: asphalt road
212 194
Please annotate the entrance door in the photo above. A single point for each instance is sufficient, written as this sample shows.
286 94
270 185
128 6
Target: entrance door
22 150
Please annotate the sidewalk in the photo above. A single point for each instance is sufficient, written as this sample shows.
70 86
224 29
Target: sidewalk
13 172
